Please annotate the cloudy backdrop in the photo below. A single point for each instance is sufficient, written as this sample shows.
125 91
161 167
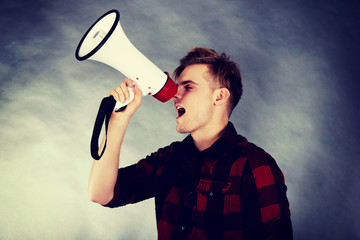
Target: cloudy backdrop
300 66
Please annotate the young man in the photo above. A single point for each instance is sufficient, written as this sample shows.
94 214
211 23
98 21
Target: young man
212 185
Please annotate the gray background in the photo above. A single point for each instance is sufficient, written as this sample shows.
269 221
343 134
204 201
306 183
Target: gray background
300 67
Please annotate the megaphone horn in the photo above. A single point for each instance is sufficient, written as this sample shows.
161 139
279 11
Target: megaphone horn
106 42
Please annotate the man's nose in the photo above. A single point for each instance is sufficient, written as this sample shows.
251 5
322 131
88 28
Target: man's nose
176 96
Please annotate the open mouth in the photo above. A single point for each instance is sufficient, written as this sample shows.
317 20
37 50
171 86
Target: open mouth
180 111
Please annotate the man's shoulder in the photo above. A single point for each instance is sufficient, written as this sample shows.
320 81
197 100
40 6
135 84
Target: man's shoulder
255 155
247 147
172 146
168 150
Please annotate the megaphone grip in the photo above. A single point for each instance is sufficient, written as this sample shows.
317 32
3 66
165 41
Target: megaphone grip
119 106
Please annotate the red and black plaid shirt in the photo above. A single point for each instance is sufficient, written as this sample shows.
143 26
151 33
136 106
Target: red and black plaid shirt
232 190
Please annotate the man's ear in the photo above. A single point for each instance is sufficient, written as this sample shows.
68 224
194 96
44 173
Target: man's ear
221 96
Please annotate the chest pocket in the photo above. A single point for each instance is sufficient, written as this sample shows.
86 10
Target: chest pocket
212 196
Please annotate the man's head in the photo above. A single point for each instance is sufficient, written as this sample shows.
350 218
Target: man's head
223 73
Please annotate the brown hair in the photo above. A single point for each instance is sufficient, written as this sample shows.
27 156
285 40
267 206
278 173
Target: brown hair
225 72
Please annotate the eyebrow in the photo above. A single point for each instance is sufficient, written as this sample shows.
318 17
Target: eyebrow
187 82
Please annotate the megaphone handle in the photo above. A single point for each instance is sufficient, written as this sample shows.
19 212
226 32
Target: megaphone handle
119 106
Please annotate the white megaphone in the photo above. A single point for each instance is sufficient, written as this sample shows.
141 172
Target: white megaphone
106 42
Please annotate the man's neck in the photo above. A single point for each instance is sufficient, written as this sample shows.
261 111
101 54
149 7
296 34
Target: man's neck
207 137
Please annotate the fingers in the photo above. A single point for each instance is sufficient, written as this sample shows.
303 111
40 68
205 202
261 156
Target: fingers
130 83
122 93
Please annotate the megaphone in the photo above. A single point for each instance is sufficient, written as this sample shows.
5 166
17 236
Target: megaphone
106 42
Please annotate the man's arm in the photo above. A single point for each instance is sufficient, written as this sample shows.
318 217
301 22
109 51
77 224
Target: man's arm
104 171
266 208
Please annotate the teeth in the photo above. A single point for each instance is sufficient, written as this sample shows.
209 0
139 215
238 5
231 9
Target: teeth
180 110
178 107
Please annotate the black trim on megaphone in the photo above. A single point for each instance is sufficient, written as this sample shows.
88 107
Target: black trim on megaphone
92 52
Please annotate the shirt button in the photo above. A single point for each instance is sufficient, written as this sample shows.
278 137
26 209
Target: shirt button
183 228
190 193
211 194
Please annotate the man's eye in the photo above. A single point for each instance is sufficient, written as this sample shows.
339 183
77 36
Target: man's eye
187 87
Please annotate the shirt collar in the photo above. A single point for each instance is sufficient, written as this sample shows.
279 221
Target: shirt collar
222 146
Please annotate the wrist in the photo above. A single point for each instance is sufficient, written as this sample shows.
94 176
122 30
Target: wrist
120 119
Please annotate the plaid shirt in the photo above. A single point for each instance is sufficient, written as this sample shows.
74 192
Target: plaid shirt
232 190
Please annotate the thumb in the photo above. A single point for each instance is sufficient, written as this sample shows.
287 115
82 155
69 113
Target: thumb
137 91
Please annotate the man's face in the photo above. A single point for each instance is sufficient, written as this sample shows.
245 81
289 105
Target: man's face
194 99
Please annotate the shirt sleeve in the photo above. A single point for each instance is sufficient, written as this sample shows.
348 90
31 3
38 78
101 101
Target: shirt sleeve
266 207
136 183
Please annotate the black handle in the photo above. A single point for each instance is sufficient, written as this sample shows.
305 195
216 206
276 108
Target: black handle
105 110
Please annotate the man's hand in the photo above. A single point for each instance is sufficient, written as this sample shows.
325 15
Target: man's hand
121 93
